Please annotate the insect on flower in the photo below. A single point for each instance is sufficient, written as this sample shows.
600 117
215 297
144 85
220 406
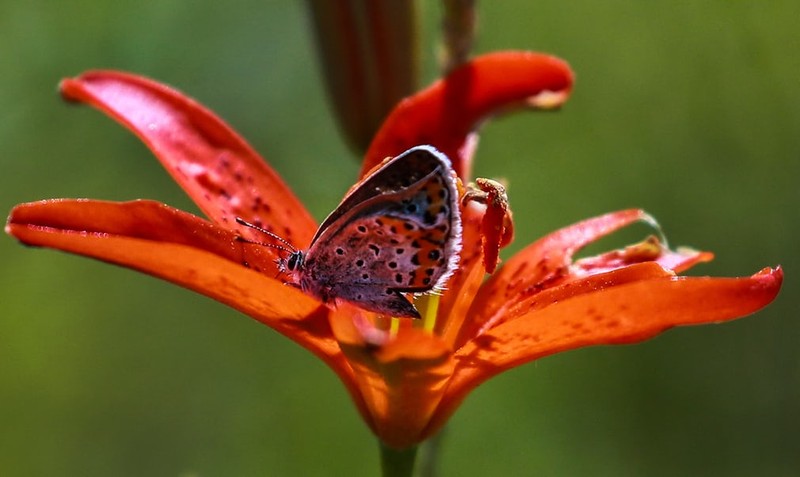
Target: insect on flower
398 231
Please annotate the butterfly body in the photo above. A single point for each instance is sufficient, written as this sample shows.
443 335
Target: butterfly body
396 232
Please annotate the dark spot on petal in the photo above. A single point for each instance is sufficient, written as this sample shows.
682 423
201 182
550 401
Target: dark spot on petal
415 259
408 226
426 281
359 263
365 276
362 229
375 249
433 254
392 264
398 278
339 251
400 251
429 271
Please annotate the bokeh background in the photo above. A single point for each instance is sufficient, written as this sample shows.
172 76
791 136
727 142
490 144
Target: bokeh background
690 110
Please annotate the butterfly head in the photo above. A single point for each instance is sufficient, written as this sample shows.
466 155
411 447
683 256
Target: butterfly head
292 263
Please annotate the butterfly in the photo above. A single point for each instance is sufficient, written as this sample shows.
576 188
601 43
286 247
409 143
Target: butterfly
396 232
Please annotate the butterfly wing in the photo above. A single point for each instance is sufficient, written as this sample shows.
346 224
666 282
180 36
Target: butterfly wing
400 237
398 173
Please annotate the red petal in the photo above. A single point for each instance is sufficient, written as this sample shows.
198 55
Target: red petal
621 314
223 175
180 248
650 250
446 113
572 288
544 260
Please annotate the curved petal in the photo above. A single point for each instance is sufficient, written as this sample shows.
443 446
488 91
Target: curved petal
572 288
545 260
183 249
649 250
626 313
222 174
446 113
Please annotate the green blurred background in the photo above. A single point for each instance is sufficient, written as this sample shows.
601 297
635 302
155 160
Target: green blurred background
690 110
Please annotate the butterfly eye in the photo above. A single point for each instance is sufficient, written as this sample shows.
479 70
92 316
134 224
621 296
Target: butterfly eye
295 261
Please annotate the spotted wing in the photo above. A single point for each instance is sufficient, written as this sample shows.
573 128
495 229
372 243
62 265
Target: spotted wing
398 173
405 240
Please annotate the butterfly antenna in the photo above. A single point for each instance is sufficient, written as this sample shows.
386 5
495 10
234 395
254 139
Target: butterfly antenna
288 246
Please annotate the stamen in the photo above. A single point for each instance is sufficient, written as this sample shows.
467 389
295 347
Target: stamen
394 327
428 306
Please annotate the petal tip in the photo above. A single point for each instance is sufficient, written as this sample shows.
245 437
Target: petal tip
68 89
770 277
548 100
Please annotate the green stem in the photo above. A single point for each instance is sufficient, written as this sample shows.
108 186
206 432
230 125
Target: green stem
429 455
458 31
397 463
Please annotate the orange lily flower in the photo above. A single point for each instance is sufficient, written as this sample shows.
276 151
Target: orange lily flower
406 378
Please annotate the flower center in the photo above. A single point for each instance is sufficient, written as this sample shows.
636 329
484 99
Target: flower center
428 307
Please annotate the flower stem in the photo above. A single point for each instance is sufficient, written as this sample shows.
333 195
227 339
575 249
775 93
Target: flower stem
458 29
397 463
429 458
